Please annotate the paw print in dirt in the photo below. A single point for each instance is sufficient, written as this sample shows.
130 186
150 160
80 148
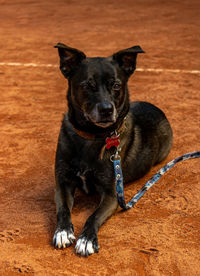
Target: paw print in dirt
8 235
22 268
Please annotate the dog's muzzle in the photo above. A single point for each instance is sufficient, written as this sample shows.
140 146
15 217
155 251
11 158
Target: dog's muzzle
103 114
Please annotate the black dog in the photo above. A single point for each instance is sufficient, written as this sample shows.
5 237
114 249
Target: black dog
99 107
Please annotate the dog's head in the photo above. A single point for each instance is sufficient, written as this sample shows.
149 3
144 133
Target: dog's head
98 93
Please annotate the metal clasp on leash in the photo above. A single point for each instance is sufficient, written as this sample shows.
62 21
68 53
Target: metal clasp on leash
116 156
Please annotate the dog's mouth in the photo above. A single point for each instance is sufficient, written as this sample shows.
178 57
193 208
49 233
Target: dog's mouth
104 123
101 121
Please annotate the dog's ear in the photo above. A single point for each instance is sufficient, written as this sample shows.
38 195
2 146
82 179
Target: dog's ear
127 59
69 58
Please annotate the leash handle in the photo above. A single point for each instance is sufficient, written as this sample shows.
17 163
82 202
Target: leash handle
149 183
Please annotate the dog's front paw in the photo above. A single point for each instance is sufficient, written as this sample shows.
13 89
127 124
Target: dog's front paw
63 238
86 246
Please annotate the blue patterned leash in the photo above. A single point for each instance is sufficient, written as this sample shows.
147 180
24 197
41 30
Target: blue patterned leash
119 178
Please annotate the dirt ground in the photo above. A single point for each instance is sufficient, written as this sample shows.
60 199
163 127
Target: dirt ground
161 234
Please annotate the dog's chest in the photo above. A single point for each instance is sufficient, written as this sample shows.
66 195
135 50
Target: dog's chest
83 177
86 164
89 178
90 167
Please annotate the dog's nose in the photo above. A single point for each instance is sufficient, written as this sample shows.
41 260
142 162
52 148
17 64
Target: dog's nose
105 108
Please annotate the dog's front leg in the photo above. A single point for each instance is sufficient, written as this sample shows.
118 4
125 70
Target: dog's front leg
64 197
87 242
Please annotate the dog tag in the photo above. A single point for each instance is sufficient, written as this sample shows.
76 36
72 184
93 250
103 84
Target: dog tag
112 142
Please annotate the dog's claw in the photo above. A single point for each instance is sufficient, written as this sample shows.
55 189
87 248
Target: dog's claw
86 247
63 238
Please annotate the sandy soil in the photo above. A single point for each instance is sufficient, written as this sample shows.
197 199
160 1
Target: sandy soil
161 234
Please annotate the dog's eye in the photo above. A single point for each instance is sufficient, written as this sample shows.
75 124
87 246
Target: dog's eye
84 86
116 86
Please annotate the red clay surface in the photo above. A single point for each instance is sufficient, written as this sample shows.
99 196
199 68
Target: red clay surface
161 234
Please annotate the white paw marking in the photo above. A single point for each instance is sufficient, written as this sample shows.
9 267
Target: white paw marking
90 247
84 247
63 238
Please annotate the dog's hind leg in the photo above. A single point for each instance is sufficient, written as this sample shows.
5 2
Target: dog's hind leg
165 138
87 242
